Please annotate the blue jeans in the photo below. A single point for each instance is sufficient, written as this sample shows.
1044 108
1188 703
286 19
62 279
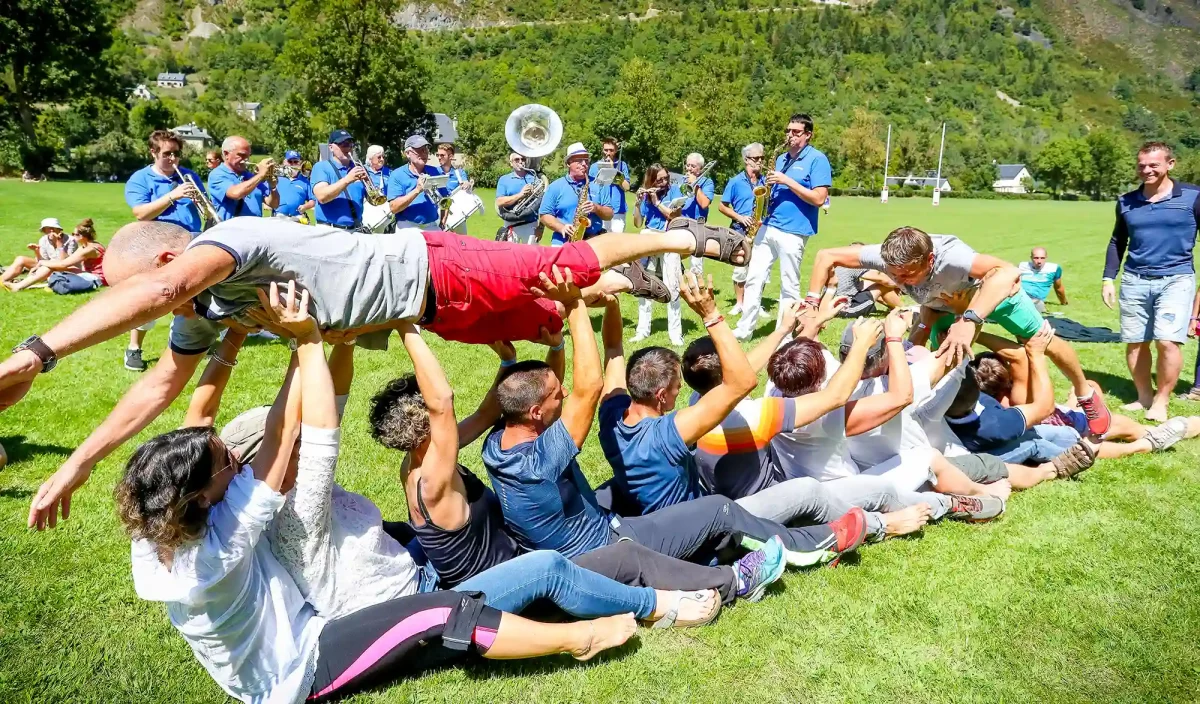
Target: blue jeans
1156 308
545 574
1041 443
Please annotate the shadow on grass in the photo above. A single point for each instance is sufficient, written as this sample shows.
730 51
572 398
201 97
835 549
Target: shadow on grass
18 449
12 492
1121 387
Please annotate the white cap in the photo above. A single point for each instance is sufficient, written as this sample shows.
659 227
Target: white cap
577 149
373 150
51 222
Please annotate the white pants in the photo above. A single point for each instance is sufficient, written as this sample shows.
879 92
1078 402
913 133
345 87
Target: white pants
771 244
617 224
668 268
410 225
527 233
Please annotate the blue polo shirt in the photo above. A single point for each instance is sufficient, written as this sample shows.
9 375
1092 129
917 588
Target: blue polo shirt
616 195
739 193
692 209
810 169
422 210
652 217
510 184
457 178
1037 282
562 199
989 426
547 502
293 193
219 181
345 210
379 178
652 467
1159 236
147 185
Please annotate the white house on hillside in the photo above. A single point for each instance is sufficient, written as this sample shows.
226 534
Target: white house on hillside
193 136
141 92
171 80
248 110
1011 178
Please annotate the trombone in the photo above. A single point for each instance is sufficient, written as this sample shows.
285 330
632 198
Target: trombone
687 190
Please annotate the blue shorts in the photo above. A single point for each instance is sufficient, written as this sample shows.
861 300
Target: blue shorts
1156 308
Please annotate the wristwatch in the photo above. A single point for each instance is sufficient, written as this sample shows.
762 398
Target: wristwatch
973 317
35 345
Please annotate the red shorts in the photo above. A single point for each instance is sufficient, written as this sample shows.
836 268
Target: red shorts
482 287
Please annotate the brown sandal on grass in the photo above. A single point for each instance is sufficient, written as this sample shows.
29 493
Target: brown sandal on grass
728 241
1074 460
645 284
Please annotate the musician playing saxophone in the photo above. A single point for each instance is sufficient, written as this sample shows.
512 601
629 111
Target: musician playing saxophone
564 200
339 186
510 189
616 192
235 190
737 203
406 188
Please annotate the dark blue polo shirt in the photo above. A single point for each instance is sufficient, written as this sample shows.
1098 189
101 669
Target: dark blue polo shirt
1159 236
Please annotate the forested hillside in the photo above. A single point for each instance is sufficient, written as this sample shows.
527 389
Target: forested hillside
1016 81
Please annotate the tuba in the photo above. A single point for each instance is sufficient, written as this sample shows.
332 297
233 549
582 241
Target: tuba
533 131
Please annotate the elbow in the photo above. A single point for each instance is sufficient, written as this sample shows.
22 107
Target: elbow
440 402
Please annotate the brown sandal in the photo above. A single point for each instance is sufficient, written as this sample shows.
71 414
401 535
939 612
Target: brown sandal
730 242
645 284
1074 460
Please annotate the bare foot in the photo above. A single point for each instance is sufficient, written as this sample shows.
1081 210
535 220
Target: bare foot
1157 413
1001 489
605 633
1136 406
907 520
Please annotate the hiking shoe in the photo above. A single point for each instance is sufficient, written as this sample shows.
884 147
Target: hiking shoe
1097 413
133 361
1074 460
758 569
1163 436
1193 394
850 531
975 509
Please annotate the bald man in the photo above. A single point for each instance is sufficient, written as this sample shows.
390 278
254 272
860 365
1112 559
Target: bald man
1038 275
237 192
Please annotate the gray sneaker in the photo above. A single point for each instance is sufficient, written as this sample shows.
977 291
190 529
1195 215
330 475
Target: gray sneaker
1163 436
975 509
133 361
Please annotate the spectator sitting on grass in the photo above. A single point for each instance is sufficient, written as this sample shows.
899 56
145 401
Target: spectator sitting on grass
51 245
80 271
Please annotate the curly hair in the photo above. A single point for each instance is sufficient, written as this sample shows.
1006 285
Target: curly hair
158 497
399 418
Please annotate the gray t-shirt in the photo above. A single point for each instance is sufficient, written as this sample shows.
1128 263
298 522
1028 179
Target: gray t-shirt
363 279
952 260
849 281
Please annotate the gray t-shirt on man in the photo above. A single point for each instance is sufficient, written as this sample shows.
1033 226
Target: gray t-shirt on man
353 279
952 260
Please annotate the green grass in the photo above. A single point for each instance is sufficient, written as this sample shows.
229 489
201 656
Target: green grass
1084 591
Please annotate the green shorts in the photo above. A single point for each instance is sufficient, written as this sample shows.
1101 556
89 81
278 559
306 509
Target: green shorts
1017 314
981 469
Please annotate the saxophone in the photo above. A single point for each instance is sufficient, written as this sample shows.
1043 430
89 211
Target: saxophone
581 221
762 209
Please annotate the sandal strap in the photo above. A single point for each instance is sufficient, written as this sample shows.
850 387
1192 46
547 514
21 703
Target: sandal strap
1074 460
668 620
645 284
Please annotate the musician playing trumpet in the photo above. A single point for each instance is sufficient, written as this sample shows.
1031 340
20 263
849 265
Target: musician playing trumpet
238 192
620 185
408 190
338 185
565 200
737 203
295 190
510 189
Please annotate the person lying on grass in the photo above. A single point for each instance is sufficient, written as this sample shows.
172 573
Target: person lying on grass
457 287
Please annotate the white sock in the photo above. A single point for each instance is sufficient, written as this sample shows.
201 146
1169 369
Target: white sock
1091 392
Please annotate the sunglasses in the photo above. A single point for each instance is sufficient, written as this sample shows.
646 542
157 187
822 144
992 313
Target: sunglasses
754 158
170 153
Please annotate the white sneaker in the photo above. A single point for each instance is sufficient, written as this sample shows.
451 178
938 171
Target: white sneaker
638 338
741 335
736 310
677 342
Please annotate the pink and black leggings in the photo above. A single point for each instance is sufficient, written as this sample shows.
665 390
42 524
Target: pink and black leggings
400 637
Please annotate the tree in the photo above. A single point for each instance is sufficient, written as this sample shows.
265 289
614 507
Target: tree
1061 163
635 116
1109 154
52 52
360 71
862 149
150 115
288 125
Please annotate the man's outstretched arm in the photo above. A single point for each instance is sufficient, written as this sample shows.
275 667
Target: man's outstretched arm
824 263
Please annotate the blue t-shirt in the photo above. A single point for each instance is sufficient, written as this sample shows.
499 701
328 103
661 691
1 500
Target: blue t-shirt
562 200
510 184
219 181
810 169
652 217
1160 236
293 193
739 195
147 185
421 210
652 466
457 178
989 426
615 195
547 502
345 210
691 208
1037 282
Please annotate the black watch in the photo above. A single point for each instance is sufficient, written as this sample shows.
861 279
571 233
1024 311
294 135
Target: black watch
35 345
973 317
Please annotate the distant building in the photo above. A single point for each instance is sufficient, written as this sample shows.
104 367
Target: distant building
248 110
445 129
1011 178
927 181
171 80
141 92
193 136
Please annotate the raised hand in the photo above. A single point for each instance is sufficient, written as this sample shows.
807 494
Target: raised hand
1037 344
698 293
559 287
291 311
897 322
866 331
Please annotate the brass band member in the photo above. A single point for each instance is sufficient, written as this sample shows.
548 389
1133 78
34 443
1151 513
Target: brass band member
235 191
562 199
406 191
295 189
652 215
338 185
511 188
737 203
616 193
451 164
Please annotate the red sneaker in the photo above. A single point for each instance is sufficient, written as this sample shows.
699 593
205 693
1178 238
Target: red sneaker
1098 417
850 531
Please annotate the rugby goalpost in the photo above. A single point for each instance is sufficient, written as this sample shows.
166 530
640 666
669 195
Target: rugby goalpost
887 157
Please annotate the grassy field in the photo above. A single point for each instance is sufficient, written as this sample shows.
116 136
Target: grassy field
1084 591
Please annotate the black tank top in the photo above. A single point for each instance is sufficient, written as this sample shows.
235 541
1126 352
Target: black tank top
481 544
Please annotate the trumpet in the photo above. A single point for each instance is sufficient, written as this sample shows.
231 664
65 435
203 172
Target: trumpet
293 170
687 190
272 171
204 207
375 194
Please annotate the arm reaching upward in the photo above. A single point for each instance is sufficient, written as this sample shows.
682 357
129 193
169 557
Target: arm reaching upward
206 399
871 412
439 466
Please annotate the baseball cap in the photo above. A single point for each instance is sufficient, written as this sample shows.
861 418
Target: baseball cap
373 150
576 149
291 154
51 222
339 136
416 142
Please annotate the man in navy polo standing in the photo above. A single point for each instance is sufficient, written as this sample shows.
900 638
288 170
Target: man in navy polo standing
1156 224
338 186
799 185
